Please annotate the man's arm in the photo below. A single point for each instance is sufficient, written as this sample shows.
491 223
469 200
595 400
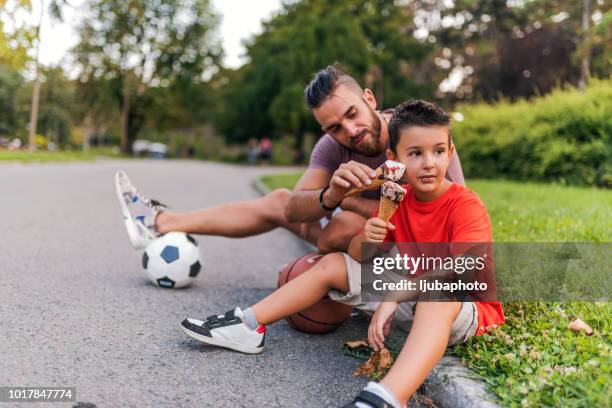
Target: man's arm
304 205
362 206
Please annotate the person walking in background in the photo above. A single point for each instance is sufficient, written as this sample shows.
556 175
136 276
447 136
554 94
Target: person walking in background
265 150
252 150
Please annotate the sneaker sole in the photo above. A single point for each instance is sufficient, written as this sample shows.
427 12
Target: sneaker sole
131 228
222 343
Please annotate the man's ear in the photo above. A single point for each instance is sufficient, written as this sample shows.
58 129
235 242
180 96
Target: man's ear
369 97
391 155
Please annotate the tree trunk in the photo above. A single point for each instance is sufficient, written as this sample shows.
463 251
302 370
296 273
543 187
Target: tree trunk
125 116
586 46
36 86
34 113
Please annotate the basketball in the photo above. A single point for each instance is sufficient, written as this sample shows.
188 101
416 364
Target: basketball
323 317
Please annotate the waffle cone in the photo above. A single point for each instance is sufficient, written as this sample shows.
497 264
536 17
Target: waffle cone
376 183
386 209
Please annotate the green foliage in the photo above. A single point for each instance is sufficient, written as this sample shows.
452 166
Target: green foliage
16 41
143 55
564 137
265 97
10 82
534 359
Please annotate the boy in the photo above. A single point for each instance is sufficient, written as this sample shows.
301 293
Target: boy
434 210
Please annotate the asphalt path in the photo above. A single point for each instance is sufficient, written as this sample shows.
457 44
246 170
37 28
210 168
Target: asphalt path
76 310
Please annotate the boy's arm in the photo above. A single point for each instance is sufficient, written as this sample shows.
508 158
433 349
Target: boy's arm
374 232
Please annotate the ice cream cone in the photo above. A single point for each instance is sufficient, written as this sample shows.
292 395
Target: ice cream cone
388 171
376 183
386 208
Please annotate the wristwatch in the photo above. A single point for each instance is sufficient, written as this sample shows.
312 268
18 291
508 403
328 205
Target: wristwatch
326 208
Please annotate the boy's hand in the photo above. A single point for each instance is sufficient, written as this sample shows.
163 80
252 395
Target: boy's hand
381 324
376 229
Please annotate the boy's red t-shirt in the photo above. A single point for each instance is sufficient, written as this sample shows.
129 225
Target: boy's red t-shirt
456 216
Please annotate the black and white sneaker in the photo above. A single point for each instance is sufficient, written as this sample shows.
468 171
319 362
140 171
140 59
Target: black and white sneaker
228 330
367 399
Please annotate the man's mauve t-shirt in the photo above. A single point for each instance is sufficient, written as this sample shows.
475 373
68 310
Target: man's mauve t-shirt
328 155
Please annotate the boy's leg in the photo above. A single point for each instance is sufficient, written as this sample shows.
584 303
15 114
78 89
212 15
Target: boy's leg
304 291
423 349
245 330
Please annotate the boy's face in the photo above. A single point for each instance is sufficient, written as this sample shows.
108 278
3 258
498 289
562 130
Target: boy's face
426 153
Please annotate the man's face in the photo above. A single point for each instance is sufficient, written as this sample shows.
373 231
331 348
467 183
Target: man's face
349 117
426 153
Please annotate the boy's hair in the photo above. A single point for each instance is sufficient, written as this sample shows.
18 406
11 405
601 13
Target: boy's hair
325 82
416 113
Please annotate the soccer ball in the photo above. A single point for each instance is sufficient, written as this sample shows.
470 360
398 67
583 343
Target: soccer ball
172 260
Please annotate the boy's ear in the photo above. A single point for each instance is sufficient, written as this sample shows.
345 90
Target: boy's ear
391 155
451 150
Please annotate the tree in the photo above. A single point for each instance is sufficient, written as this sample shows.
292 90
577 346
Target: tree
368 37
512 49
137 45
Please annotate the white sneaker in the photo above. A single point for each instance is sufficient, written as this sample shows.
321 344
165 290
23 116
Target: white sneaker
227 331
138 212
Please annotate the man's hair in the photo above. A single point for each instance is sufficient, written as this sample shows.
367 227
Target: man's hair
325 82
416 113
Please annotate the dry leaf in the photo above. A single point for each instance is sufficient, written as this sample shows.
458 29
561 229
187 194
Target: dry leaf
352 345
386 360
577 325
379 362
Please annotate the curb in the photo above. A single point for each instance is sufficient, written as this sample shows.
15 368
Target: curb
450 384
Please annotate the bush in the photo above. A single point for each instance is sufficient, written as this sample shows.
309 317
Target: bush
565 137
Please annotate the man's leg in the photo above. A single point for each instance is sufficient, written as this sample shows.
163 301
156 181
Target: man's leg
337 234
252 217
423 349
238 219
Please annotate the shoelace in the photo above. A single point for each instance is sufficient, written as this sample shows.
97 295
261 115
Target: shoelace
157 203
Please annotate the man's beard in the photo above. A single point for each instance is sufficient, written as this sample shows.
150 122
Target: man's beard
370 148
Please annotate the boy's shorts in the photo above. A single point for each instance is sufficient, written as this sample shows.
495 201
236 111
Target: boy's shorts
464 326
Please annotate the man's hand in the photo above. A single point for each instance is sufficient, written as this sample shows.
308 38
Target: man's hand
347 176
376 229
380 325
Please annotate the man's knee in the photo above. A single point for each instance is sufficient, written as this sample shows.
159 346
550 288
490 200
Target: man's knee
275 202
337 235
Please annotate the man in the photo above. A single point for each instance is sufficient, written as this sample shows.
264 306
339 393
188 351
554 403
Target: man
354 145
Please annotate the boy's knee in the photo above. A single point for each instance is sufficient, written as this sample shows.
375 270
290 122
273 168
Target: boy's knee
443 311
333 267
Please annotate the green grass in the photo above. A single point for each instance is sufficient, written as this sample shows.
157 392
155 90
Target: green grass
41 156
534 359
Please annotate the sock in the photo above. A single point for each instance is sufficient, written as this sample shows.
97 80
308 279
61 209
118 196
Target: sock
249 319
383 392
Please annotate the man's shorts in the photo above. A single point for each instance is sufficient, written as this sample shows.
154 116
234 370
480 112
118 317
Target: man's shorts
325 220
463 327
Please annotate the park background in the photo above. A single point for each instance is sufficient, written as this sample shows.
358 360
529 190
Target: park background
528 84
